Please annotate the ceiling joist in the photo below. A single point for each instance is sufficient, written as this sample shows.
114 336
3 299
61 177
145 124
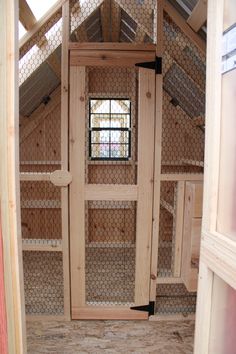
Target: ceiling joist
198 16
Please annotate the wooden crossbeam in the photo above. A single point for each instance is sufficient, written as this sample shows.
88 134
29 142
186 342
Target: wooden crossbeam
179 20
198 16
39 24
26 15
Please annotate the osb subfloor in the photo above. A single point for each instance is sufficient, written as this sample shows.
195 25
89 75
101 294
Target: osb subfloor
110 337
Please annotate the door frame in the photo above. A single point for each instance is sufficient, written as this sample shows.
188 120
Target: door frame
107 54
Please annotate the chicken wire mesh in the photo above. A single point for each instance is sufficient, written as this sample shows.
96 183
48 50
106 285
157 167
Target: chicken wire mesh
43 283
110 252
111 125
174 299
183 102
166 247
113 21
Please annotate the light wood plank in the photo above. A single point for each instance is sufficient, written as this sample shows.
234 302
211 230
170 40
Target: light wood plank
77 187
198 16
146 47
106 18
111 192
179 20
146 125
34 176
203 315
109 58
26 15
36 28
64 152
157 156
108 313
116 16
41 245
179 228
9 178
182 177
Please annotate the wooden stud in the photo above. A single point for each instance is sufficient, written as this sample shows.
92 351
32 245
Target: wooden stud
106 18
157 157
179 228
145 184
198 16
64 151
9 179
115 21
77 187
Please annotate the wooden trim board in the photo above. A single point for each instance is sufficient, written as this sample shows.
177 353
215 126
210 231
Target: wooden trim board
108 313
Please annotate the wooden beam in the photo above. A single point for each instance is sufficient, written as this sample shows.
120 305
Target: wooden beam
106 18
157 156
111 192
54 64
39 24
141 47
26 15
77 190
198 16
179 215
9 179
115 16
178 19
108 313
145 184
65 152
109 58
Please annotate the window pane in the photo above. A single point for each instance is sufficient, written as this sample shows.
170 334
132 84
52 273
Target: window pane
121 137
100 120
102 136
119 151
100 106
120 120
100 150
120 106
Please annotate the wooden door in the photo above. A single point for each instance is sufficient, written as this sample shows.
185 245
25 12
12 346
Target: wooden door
110 197
216 305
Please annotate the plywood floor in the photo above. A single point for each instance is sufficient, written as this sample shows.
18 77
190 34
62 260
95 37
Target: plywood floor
98 337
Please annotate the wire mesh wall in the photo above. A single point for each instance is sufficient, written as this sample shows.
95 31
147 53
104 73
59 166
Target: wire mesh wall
113 21
174 299
43 283
40 210
110 252
183 102
167 229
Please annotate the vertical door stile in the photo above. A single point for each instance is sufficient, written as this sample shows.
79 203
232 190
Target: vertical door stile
77 187
145 184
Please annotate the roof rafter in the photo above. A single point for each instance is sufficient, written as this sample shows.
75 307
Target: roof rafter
198 16
178 19
26 15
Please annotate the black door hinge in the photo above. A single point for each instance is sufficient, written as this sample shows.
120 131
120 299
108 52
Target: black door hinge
153 65
146 308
